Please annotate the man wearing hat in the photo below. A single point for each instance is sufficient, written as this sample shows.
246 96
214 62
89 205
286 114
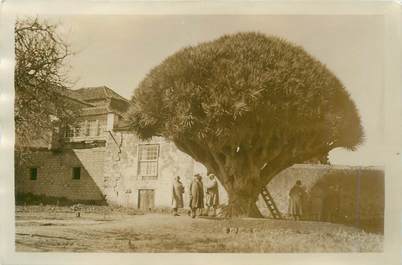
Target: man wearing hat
196 195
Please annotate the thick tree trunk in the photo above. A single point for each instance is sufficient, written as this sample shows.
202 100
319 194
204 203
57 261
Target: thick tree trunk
242 205
240 173
243 191
242 196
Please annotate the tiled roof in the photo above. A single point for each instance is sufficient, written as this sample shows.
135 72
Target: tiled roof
73 96
90 93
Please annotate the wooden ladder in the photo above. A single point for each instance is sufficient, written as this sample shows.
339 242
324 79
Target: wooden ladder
269 201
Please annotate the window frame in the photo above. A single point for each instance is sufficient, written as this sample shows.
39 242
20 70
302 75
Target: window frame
73 173
69 131
92 128
31 175
140 161
88 128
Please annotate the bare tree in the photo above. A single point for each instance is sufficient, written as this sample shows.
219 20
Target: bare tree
40 81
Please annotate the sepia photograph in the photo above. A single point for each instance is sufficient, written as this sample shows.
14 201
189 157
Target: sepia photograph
201 133
198 134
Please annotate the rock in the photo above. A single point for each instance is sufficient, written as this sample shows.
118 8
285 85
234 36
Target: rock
130 244
234 230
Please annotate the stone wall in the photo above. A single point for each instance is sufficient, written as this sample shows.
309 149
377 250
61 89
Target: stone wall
122 182
54 174
111 172
361 189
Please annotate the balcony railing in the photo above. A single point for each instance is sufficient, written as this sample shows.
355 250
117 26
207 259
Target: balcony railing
85 138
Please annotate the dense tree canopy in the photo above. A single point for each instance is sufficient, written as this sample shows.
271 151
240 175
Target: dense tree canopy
246 106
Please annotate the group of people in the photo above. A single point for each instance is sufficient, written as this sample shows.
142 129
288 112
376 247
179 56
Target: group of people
322 203
196 195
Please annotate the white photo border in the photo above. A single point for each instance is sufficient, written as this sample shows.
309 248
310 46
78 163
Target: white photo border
392 88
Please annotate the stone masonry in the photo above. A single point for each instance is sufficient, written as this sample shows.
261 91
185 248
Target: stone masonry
54 174
122 181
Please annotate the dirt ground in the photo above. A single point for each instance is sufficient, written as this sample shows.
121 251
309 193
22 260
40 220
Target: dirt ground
58 229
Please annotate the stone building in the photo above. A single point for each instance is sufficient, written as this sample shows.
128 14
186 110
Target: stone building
99 160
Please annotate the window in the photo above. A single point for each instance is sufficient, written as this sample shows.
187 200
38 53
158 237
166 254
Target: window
76 172
69 131
101 127
93 128
85 128
148 161
79 130
33 173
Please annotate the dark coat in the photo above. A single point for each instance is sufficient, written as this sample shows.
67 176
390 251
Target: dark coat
177 194
196 194
296 195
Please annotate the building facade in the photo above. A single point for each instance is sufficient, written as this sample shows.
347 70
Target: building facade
98 160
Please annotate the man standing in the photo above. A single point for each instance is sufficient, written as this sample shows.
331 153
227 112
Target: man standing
212 194
177 195
201 187
196 195
296 195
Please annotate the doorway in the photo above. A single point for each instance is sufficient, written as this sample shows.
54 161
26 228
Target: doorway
146 199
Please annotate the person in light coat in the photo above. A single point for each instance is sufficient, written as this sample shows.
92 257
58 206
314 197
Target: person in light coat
177 195
212 194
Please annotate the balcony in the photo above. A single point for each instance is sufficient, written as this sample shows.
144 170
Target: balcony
88 139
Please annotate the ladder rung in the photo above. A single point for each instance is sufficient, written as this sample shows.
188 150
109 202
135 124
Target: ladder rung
270 203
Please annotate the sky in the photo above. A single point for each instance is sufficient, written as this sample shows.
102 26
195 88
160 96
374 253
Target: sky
118 51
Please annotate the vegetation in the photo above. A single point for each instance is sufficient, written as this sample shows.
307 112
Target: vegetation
246 106
40 79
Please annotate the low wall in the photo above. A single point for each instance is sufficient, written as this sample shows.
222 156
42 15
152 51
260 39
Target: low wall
54 174
111 172
360 194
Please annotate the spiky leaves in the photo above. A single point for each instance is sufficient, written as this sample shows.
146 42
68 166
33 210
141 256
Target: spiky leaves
247 106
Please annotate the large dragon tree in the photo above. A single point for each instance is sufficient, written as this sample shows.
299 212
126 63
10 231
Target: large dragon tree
246 106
